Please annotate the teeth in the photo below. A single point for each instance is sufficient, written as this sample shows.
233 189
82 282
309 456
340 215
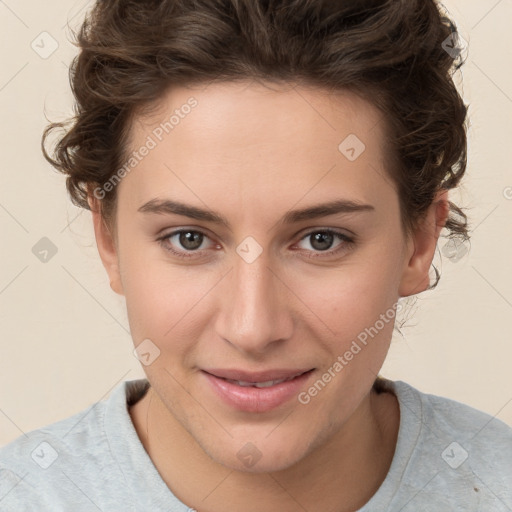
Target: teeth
266 384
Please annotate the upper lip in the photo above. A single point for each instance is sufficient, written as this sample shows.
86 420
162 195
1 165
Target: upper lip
262 376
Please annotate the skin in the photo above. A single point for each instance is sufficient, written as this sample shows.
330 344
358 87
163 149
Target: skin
252 153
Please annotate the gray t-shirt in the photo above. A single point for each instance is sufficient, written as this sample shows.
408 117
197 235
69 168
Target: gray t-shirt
449 457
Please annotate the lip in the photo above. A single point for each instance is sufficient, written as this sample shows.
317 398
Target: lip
262 376
250 398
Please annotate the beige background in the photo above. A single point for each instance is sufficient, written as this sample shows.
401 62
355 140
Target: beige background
64 337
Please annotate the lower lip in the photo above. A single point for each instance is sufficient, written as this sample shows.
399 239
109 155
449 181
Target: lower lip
252 399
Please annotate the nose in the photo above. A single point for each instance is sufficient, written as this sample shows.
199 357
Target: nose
254 315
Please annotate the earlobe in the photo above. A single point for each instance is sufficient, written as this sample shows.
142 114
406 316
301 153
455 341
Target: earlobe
422 246
106 246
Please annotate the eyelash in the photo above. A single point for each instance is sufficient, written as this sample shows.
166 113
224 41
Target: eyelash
348 243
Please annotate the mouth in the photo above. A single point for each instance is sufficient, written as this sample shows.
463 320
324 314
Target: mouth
257 391
260 377
265 384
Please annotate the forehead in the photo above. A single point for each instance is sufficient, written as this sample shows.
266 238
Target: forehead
263 113
248 138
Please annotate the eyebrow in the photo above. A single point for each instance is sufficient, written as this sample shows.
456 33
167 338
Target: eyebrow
168 206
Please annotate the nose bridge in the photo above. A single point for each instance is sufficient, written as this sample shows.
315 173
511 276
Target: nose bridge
252 315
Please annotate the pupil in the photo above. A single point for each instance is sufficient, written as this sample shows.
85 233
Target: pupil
188 239
322 241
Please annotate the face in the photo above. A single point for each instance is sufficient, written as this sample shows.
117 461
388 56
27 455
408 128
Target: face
251 277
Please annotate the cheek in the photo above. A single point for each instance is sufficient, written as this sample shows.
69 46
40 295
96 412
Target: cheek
150 291
353 296
360 307
358 303
164 302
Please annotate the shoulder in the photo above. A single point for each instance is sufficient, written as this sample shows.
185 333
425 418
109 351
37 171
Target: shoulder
452 453
69 460
42 458
485 436
444 417
69 437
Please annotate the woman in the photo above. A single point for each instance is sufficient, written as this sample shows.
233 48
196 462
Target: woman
267 180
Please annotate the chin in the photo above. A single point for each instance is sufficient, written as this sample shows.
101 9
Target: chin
261 455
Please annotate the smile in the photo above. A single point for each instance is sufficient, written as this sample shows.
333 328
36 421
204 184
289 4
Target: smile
256 394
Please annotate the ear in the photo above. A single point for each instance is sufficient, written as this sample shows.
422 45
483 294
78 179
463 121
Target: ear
106 244
422 246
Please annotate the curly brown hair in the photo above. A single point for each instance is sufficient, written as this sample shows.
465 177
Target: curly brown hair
389 52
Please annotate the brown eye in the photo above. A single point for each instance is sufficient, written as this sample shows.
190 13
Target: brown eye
321 241
184 243
190 240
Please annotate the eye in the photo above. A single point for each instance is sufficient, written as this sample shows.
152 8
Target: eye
321 241
187 241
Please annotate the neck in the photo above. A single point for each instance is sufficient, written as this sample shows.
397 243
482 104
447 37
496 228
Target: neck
342 474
